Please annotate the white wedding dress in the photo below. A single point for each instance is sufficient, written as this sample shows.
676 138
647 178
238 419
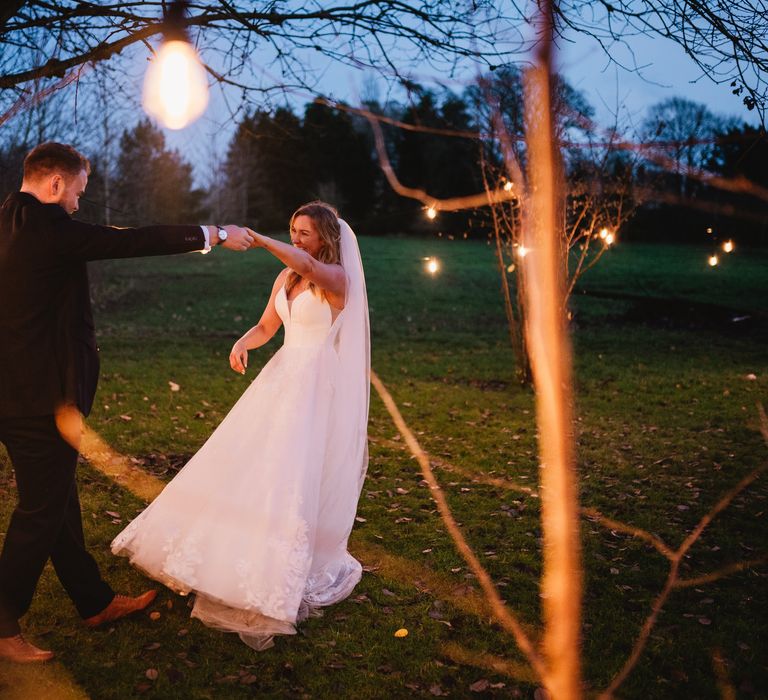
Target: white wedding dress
257 523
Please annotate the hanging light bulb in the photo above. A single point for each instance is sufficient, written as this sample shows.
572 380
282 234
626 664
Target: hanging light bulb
175 86
431 213
713 260
728 246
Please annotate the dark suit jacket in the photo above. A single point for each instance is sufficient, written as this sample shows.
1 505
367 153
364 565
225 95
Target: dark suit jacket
48 353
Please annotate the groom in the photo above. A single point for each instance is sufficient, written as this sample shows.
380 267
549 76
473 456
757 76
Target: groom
49 368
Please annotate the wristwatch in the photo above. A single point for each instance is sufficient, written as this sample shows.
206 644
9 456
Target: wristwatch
222 235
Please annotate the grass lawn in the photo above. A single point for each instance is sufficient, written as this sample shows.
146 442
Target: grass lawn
666 423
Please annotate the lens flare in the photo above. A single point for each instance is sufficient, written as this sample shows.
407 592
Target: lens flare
432 265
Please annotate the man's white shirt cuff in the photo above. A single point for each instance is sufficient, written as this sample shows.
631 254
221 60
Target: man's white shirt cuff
207 235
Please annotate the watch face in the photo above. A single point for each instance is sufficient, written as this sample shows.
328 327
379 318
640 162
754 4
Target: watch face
222 234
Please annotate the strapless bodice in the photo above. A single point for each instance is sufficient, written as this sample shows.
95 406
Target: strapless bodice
306 319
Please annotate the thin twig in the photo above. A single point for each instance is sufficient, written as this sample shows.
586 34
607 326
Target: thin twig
672 578
507 619
472 201
724 685
734 568
496 664
645 632
637 532
481 478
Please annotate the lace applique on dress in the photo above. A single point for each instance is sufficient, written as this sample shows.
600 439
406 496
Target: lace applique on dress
291 557
183 559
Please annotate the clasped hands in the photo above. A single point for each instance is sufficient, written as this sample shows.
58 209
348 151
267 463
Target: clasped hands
239 238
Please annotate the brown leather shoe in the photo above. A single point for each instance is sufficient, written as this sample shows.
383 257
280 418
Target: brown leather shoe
121 606
21 651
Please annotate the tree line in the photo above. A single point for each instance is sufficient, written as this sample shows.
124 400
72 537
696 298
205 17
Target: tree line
437 141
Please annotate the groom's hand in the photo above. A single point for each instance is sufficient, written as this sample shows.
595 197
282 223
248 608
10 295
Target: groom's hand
238 238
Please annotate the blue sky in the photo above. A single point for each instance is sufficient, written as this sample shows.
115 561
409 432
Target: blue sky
666 71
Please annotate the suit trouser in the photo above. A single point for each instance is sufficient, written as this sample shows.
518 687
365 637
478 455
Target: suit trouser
46 523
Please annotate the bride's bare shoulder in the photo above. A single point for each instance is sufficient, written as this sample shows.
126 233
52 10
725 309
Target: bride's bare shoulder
280 279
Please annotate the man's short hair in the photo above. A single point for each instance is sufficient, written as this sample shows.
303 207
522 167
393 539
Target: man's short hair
51 158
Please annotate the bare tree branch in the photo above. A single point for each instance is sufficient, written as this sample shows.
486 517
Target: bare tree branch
507 620
734 568
672 581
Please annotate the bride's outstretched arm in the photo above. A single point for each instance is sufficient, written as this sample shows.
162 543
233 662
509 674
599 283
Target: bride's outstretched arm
261 333
327 276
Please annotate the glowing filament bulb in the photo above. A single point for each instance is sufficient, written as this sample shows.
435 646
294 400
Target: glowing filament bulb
431 213
522 251
508 185
432 265
610 239
728 246
175 87
713 260
603 233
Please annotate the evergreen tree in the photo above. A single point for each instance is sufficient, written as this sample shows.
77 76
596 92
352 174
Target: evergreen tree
152 184
443 166
341 168
11 167
741 153
267 170
241 196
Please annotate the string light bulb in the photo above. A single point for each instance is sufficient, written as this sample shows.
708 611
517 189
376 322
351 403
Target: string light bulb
508 185
175 86
610 239
603 233
431 213
713 260
728 246
432 266
522 251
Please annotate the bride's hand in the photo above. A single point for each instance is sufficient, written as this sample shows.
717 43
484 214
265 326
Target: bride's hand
256 241
238 357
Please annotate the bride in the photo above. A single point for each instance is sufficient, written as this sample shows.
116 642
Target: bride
257 522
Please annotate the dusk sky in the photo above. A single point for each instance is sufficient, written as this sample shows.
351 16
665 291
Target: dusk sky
666 72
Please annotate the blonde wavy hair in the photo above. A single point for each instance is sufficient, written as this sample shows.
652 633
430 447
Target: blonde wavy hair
326 221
